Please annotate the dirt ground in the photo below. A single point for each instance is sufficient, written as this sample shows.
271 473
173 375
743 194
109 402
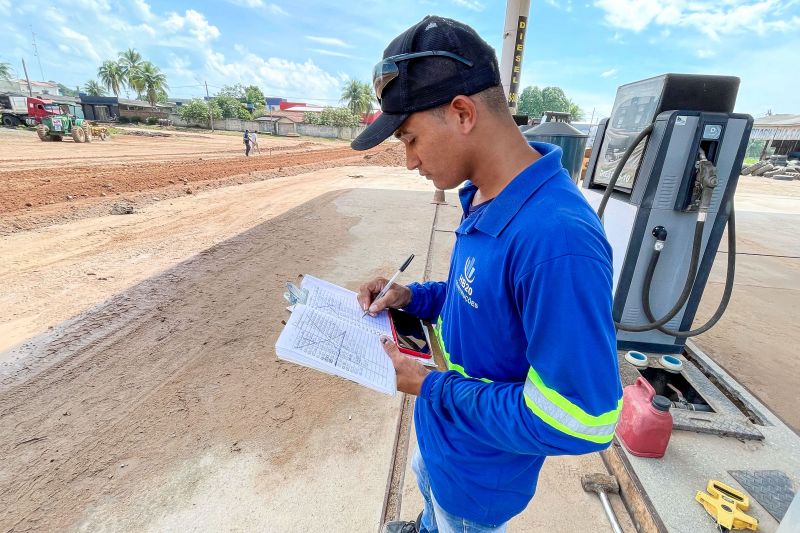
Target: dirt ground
44 183
172 310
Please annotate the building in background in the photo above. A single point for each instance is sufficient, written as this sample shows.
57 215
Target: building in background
20 87
780 133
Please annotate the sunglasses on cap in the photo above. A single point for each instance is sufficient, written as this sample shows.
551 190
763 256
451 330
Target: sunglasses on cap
387 70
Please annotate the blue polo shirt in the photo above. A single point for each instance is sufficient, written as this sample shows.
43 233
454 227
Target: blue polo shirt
525 323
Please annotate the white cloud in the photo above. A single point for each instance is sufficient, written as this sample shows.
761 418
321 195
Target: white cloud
710 19
608 73
329 41
274 75
81 43
142 8
274 9
331 53
185 43
199 27
566 6
472 5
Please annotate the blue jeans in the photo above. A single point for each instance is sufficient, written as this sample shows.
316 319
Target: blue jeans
437 520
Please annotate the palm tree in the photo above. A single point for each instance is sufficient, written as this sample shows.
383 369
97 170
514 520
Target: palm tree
151 80
5 71
357 96
367 96
130 61
111 73
93 88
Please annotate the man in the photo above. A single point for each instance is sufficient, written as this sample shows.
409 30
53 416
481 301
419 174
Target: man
524 318
254 142
246 140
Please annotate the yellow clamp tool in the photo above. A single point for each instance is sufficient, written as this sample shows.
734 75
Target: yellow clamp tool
727 506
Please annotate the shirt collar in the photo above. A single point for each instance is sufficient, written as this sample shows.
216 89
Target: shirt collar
495 217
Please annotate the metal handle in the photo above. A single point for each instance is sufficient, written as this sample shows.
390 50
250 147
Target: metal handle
610 512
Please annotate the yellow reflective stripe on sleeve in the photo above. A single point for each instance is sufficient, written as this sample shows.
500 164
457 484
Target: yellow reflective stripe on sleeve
560 413
450 365
551 407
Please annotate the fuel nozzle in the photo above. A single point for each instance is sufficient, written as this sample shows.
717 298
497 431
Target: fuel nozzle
707 178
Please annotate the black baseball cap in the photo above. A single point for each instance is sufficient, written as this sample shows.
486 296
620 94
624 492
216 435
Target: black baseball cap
427 81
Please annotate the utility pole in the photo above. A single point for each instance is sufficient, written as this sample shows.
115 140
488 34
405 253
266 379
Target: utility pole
36 53
25 68
516 25
210 111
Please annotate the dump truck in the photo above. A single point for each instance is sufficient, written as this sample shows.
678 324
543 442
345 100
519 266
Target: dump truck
16 110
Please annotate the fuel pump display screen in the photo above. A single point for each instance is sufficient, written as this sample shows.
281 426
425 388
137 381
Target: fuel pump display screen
634 109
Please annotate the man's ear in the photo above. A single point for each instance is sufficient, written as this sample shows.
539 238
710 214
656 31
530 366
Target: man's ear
463 110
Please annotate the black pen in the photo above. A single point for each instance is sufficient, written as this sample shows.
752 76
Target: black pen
391 282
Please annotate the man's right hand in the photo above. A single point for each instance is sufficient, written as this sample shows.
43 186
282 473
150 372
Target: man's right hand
396 297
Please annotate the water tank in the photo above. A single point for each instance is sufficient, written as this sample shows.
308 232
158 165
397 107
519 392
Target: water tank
557 130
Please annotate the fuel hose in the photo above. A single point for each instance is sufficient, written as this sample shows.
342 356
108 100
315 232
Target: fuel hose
691 275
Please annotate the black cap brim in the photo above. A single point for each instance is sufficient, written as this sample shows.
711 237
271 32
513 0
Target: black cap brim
380 130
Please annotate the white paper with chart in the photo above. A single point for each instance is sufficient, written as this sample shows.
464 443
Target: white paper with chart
327 333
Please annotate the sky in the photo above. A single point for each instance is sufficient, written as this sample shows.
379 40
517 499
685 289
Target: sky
306 50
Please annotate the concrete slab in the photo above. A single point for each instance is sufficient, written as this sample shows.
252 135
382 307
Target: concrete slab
693 458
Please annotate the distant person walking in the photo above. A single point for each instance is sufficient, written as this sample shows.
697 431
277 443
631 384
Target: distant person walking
246 142
254 142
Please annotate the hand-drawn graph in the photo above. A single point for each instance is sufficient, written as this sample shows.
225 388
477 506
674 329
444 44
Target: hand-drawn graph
327 333
357 352
342 304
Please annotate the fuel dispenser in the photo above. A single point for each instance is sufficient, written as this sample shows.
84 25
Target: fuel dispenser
662 177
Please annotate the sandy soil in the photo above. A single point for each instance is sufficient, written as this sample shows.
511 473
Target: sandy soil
757 337
54 273
137 144
161 384
56 181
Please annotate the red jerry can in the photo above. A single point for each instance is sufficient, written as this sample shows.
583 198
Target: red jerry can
645 423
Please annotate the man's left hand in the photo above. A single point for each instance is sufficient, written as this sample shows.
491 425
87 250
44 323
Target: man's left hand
410 374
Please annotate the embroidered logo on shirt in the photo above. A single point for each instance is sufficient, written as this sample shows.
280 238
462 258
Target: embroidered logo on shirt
465 280
469 269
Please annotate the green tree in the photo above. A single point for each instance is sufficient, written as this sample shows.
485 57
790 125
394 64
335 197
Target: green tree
231 107
357 96
312 118
337 116
112 74
534 102
530 102
150 81
198 111
575 112
130 61
234 91
254 95
66 91
92 88
5 71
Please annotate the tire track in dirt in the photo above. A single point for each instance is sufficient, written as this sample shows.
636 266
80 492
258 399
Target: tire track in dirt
175 364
